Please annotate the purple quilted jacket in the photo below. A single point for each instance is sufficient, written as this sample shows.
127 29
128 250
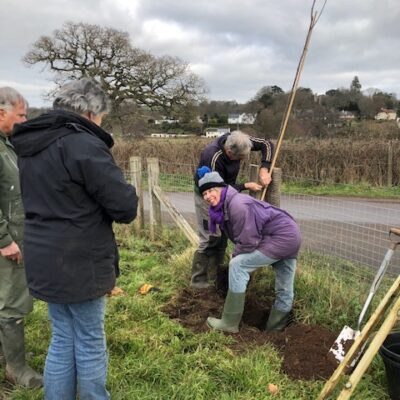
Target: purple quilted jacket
255 225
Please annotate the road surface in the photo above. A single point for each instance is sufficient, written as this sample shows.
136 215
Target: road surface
352 229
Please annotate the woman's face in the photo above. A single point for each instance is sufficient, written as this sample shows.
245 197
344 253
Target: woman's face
212 196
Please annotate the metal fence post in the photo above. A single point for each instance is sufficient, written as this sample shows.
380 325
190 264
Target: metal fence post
135 166
153 169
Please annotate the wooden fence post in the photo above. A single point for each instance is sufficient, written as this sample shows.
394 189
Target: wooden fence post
153 170
135 166
273 194
177 217
390 164
254 178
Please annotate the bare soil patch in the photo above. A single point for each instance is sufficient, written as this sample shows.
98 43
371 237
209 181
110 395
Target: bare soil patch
304 348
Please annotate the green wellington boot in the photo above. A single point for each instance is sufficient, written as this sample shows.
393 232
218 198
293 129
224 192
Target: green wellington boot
13 344
2 359
199 278
216 262
232 314
277 320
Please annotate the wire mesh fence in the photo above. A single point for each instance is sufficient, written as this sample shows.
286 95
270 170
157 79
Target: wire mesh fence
355 230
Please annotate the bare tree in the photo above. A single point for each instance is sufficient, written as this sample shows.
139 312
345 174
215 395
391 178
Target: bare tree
127 73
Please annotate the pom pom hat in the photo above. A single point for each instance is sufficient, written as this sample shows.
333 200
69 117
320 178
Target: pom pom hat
209 179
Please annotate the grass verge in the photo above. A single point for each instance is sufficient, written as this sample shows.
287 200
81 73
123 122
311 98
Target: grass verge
153 357
340 189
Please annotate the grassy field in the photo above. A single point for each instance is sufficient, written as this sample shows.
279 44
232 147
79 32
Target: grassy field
346 190
184 183
152 357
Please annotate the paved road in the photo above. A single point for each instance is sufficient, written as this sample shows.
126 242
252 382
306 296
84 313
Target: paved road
353 229
317 208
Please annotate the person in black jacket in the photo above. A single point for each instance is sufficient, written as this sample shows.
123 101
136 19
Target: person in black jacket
72 192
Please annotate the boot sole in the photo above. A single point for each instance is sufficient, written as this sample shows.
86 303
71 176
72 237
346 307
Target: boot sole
222 330
200 285
10 378
13 381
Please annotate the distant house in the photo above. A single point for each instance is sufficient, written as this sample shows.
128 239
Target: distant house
215 132
165 120
170 135
347 115
243 118
386 114
163 135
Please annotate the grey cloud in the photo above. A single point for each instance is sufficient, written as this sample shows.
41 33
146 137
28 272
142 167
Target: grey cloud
237 46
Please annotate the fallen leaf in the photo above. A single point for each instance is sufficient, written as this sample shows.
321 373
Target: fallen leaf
116 291
273 389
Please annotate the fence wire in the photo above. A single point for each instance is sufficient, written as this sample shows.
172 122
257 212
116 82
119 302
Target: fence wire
355 230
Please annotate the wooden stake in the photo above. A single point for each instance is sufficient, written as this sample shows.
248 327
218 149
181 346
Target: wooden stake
282 130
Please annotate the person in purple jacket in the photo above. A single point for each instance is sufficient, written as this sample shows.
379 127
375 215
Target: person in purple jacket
224 156
263 235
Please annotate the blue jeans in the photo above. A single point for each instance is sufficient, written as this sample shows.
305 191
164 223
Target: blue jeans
241 266
77 356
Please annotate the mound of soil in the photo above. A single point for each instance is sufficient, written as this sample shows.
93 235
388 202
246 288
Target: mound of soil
304 348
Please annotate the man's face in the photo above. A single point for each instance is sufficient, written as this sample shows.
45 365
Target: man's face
234 157
8 118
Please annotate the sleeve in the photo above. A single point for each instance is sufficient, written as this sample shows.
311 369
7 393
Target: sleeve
266 147
91 164
5 238
245 226
239 187
217 164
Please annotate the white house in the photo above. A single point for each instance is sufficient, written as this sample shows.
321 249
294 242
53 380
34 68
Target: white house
243 118
215 132
166 120
386 114
163 135
171 135
347 115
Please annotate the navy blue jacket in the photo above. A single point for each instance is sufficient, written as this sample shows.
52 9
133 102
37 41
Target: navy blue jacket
214 157
72 191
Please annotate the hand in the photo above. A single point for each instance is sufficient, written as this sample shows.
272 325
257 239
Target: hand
253 186
264 176
12 252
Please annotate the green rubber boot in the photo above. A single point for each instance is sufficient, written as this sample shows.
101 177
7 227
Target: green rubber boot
277 320
232 314
199 278
2 359
216 262
13 344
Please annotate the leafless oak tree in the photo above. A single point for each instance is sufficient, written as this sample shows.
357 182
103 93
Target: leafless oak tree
127 73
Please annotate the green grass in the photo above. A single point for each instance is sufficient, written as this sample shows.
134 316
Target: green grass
153 357
347 190
184 183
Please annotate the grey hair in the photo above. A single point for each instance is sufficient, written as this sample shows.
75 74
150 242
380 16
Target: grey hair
82 96
238 143
9 98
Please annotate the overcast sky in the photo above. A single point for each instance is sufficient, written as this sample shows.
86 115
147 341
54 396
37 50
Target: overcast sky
237 47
